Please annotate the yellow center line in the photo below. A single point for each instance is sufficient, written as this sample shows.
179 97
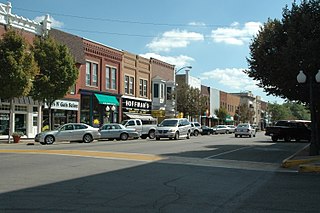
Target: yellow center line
95 154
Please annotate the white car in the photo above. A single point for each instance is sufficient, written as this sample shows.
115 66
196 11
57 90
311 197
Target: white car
69 132
173 128
221 129
195 128
245 129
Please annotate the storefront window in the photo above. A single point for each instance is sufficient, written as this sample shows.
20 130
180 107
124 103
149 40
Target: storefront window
20 123
4 123
85 109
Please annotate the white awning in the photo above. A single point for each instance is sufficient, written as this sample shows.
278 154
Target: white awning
140 116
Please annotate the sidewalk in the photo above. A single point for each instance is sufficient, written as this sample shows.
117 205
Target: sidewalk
22 141
302 162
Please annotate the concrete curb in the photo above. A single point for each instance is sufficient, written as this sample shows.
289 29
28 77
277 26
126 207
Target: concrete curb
304 164
309 168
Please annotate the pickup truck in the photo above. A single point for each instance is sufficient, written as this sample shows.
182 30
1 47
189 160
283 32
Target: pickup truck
289 129
145 130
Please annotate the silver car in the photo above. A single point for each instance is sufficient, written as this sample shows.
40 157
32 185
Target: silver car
69 132
221 129
245 129
117 131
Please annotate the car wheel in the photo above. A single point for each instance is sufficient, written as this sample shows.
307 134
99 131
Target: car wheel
176 136
196 133
49 139
240 136
124 136
274 139
236 136
250 135
43 143
152 134
188 135
287 139
143 136
87 138
227 132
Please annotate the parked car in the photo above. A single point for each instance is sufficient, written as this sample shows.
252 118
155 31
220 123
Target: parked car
173 128
69 132
290 129
221 129
231 128
195 128
145 130
117 131
207 130
245 129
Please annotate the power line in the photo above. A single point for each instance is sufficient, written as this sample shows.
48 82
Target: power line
120 21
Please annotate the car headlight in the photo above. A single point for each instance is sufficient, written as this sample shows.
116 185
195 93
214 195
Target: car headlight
171 130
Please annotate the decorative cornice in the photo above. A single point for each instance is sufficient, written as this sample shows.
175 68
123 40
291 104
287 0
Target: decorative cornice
102 51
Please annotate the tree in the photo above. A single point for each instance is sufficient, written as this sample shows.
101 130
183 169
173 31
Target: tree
57 71
17 69
221 114
281 49
245 113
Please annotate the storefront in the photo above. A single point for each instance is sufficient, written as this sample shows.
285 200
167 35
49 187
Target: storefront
25 117
62 112
97 108
137 108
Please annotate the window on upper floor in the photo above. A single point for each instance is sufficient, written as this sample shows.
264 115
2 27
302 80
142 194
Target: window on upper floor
128 85
111 78
143 87
156 90
161 91
169 93
91 74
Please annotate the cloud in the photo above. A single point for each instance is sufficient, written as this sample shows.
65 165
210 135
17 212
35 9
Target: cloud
54 23
197 24
232 78
174 39
178 61
235 35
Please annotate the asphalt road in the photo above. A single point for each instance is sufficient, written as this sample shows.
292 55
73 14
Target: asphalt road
217 173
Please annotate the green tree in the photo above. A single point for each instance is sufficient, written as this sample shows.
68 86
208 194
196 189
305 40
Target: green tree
17 69
279 112
190 101
297 110
221 114
281 49
245 114
57 71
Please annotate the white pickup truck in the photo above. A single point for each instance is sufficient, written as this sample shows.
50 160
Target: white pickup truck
145 130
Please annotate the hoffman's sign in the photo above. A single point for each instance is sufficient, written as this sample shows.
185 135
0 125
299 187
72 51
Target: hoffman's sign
136 104
65 105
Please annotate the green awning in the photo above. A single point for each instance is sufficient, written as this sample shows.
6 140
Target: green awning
107 99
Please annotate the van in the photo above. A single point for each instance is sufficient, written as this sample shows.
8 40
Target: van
173 128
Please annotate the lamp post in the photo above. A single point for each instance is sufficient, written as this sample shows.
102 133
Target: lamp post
175 88
302 78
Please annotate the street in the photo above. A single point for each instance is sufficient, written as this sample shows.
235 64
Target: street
216 173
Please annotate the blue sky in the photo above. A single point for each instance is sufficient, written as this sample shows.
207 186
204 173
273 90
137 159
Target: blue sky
212 36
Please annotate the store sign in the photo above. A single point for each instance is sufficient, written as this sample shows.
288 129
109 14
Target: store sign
134 104
65 105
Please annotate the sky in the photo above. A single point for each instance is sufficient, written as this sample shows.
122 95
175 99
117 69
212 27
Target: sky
212 36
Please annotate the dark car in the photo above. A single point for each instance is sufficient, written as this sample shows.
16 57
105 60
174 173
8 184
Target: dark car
207 130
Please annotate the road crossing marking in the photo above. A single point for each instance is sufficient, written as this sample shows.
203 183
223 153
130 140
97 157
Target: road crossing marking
85 153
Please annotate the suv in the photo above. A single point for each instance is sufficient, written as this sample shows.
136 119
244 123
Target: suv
196 128
173 128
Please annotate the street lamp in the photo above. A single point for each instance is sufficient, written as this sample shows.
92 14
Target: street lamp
302 78
175 87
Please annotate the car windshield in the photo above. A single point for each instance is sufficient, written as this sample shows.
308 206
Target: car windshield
169 123
242 125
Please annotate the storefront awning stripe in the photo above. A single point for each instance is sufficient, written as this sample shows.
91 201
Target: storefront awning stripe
107 99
